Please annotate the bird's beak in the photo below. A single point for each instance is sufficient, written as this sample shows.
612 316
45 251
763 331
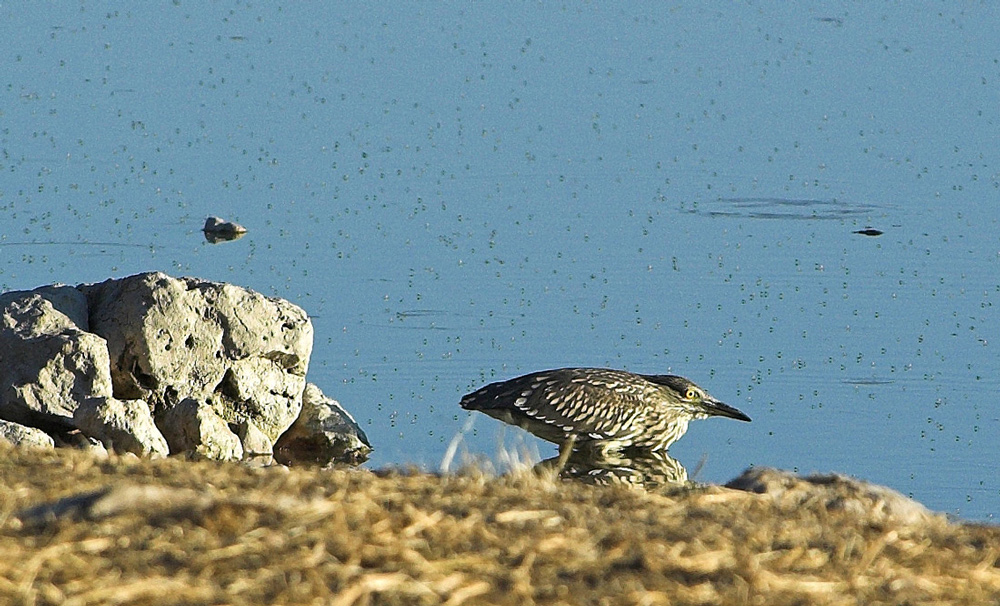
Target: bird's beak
715 408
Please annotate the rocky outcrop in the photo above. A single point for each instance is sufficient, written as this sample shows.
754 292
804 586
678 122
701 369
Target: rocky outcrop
835 492
16 434
243 354
153 365
323 432
49 362
194 427
122 425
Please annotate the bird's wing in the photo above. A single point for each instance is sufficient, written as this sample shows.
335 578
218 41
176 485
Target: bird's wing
593 403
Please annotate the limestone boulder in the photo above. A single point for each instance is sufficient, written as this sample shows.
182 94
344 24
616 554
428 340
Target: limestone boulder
193 428
324 433
170 339
836 492
258 449
156 365
121 425
27 437
48 361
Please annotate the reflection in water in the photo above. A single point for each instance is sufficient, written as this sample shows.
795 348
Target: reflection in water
781 208
215 238
647 470
868 381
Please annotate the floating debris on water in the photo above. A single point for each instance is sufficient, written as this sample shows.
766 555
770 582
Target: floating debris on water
868 231
832 20
220 230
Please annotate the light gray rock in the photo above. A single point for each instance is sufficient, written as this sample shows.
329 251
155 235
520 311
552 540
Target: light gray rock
836 492
152 364
218 225
171 339
193 428
324 433
67 300
121 425
48 364
29 437
258 449
217 230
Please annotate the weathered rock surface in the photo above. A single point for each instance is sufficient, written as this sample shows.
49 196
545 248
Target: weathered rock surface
257 447
323 433
19 435
174 338
152 364
49 363
836 492
194 428
121 425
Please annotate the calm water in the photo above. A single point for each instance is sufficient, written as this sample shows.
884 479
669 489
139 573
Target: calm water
458 195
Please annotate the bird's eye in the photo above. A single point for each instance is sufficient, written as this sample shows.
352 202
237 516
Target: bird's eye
690 394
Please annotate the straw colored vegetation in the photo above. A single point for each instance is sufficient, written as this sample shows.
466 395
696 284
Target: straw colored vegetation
79 530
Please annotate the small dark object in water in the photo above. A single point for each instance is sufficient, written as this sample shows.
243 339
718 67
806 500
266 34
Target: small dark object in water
218 230
834 20
869 232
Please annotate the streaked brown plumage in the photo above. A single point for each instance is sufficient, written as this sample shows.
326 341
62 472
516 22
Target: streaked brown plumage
649 470
601 409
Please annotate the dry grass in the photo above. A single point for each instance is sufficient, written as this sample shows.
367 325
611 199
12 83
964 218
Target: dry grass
175 532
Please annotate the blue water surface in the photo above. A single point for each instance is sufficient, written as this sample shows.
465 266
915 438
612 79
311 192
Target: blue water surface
459 194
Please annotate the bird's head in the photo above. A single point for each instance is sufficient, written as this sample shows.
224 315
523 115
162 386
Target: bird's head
694 400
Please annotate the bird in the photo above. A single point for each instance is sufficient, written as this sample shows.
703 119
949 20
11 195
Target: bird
599 410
